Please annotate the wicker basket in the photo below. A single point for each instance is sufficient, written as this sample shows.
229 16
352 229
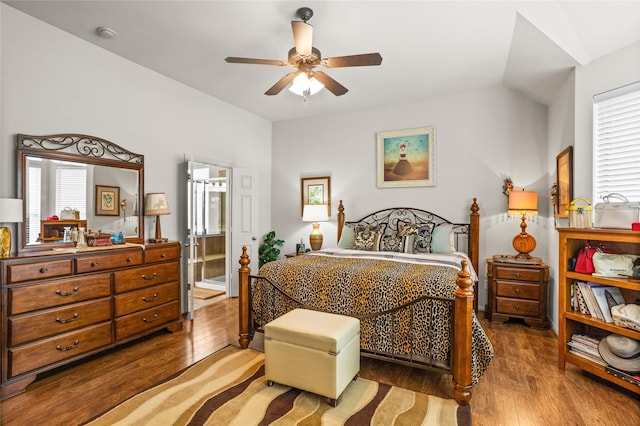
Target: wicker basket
580 216
622 318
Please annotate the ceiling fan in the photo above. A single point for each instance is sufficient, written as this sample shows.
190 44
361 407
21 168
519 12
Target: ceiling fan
305 58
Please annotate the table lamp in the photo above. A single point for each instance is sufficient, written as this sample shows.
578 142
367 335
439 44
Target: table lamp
315 213
10 212
523 203
155 204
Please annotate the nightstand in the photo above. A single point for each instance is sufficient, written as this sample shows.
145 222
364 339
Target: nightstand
517 290
288 255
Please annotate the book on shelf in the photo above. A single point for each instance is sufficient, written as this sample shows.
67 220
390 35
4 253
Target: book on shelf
592 358
579 303
607 297
590 300
586 340
586 347
634 379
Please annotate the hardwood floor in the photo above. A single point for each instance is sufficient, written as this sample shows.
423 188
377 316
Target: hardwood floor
523 385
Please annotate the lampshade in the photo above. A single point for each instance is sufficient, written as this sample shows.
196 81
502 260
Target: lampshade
523 203
155 203
10 210
303 85
315 213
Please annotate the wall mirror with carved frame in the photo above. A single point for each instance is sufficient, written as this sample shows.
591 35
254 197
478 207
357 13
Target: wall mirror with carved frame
58 176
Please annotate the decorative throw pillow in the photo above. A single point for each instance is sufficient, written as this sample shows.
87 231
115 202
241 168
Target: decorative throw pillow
394 243
442 239
367 237
347 238
419 233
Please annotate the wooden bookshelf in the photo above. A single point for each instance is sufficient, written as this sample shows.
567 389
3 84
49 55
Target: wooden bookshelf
571 240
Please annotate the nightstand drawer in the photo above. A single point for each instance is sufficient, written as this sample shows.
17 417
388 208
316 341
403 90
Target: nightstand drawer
519 274
519 307
517 290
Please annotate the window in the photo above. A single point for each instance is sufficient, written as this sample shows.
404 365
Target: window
71 188
32 227
616 143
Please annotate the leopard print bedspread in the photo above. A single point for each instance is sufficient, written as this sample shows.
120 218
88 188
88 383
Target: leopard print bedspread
364 288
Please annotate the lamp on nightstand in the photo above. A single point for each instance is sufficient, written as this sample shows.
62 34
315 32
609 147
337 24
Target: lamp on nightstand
315 213
10 212
155 204
523 203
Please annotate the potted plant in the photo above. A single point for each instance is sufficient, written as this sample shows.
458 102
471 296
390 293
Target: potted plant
269 250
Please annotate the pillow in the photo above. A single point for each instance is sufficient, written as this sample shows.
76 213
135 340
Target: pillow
442 239
347 238
420 235
394 243
367 237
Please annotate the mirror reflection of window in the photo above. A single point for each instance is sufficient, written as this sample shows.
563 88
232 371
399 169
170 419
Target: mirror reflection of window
34 195
71 188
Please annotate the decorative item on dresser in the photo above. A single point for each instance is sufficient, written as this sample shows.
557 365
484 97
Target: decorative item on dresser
10 212
315 213
523 204
62 306
517 290
576 324
155 204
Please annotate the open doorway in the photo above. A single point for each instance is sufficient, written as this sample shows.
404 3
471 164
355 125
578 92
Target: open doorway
207 229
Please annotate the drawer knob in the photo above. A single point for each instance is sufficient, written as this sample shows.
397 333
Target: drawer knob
129 259
94 264
151 299
43 270
67 321
67 294
155 317
517 274
517 291
150 277
517 307
163 255
68 348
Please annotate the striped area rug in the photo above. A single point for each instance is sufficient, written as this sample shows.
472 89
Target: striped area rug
229 388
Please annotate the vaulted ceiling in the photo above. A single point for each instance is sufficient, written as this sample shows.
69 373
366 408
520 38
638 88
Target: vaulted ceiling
428 47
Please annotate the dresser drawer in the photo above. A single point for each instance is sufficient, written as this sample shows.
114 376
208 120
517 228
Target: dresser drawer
137 278
30 327
145 320
114 259
44 352
519 307
518 274
517 290
161 253
57 293
146 298
20 272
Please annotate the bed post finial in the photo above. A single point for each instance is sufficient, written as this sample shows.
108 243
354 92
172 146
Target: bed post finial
243 296
340 219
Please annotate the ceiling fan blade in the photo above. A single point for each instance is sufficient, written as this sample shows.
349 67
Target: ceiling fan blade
365 59
330 84
281 84
302 37
234 60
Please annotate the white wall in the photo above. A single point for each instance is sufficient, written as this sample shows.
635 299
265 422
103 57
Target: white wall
53 82
482 137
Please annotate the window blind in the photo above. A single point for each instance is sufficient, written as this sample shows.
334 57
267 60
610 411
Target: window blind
616 143
74 181
33 214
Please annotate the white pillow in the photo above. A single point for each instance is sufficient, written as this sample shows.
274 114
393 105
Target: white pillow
442 239
346 238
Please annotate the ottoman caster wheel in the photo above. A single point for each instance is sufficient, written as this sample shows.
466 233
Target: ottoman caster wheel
355 377
270 382
333 402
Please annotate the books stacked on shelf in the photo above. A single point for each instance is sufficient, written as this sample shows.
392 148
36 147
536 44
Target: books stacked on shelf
586 347
597 299
634 379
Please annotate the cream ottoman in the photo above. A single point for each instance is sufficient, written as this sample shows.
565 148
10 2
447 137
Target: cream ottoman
313 351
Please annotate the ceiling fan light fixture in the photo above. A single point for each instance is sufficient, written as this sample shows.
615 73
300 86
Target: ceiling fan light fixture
304 86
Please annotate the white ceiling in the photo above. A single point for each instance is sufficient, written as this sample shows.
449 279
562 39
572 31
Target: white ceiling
428 47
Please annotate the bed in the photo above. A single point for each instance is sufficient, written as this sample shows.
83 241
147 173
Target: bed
407 274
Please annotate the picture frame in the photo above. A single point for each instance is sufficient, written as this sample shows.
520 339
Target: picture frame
406 158
564 182
107 200
315 190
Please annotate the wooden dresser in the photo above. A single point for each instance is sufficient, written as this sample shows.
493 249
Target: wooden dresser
61 307
519 291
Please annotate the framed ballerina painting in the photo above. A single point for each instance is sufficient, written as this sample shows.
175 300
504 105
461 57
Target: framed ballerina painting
406 158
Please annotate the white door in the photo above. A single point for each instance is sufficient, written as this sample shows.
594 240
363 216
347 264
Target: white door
244 222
